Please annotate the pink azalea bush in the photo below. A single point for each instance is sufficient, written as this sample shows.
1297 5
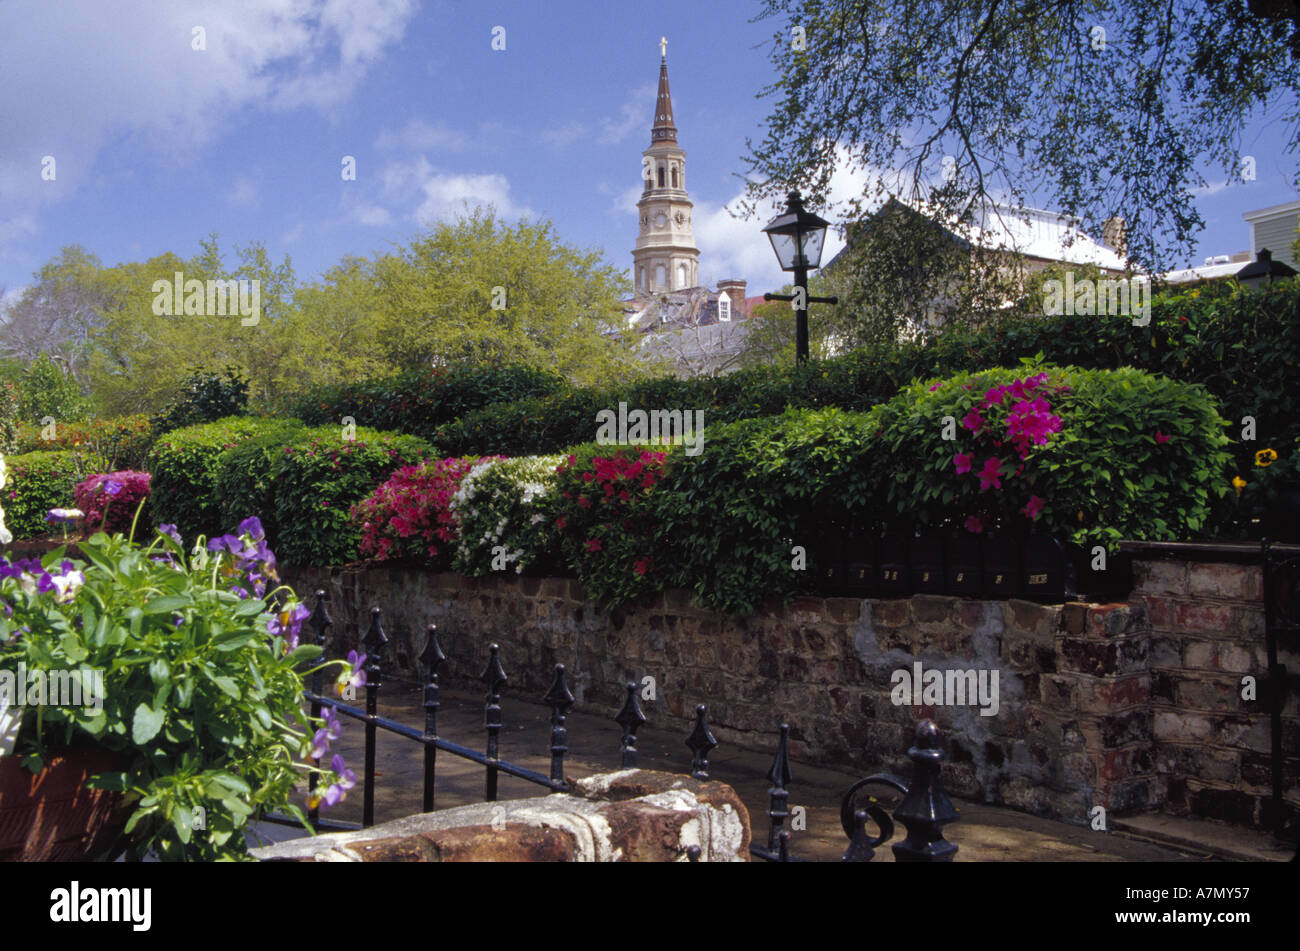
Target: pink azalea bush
110 499
410 515
1088 455
607 529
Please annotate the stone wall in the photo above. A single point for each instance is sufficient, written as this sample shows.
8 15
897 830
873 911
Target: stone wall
1126 706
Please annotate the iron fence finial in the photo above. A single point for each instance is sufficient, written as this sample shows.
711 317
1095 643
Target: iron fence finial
630 718
701 741
926 808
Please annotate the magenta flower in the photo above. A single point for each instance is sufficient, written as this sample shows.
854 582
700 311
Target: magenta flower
975 524
1161 438
995 394
1034 508
962 462
989 476
972 421
935 387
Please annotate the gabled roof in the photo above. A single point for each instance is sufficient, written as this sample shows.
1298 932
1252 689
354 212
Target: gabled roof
1035 233
688 307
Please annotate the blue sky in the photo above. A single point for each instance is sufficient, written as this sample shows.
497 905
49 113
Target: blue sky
157 144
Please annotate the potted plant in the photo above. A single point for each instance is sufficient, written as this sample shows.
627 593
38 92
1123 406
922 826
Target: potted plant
164 689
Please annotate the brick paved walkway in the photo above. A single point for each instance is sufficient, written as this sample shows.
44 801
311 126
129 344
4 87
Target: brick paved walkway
984 833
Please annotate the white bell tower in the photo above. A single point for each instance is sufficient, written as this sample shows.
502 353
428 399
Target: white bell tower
665 257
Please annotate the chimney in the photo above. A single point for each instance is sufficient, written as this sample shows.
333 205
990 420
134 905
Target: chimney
735 291
1114 233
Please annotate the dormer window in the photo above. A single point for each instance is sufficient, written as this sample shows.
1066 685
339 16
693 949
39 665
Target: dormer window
724 307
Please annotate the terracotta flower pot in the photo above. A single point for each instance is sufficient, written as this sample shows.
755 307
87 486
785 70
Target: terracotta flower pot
51 816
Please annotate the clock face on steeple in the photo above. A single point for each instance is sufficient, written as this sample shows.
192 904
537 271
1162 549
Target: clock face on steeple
661 221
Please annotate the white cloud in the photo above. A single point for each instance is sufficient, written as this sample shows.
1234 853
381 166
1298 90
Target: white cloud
558 136
371 215
1212 188
446 196
244 193
420 136
731 246
440 195
80 73
637 112
625 201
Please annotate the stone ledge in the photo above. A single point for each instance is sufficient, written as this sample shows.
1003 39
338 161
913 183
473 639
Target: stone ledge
625 816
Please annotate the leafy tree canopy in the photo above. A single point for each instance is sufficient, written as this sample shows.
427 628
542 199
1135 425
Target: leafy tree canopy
1092 107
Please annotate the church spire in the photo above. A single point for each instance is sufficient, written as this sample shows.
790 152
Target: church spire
663 130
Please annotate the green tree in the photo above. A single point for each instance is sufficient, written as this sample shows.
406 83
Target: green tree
47 389
481 290
1093 107
140 358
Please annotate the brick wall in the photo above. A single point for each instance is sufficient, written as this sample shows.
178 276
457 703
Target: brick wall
1211 745
1127 706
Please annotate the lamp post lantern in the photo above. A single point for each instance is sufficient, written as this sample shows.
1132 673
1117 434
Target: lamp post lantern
797 237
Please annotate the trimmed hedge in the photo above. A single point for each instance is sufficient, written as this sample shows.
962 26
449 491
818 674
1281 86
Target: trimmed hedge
1130 455
40 481
245 477
318 479
125 441
729 519
184 464
418 402
1243 346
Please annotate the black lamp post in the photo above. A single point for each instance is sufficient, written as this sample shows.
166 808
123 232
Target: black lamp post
797 237
1264 271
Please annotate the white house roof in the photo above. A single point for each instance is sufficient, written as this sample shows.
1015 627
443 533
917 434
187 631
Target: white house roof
1272 211
1034 232
1209 272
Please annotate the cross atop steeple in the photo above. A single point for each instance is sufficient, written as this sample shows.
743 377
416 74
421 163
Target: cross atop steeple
663 47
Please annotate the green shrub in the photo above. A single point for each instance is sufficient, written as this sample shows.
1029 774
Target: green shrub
526 427
318 479
1123 454
125 441
418 402
46 390
509 503
245 476
728 519
409 514
185 463
205 397
40 481
1242 345
8 417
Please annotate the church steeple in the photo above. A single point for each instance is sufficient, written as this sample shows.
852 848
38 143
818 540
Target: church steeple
663 129
665 257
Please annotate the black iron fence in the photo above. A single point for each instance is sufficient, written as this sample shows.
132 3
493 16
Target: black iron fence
921 807
1281 627
884 560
